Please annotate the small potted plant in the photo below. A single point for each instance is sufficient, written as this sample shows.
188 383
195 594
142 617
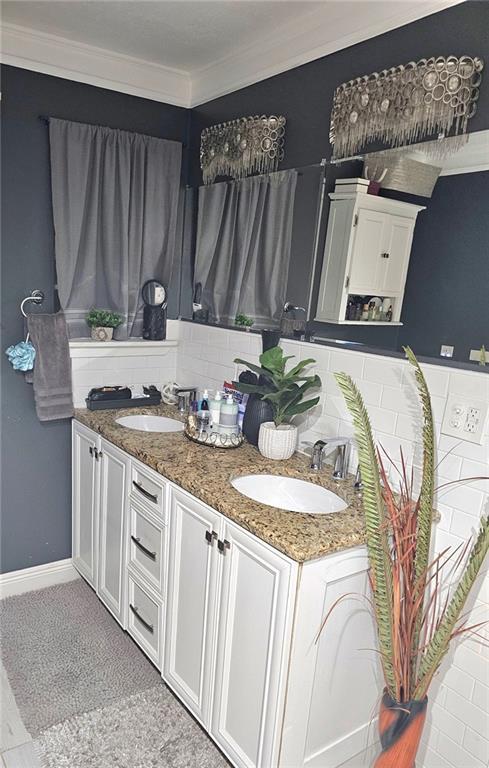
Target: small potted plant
243 321
102 322
285 391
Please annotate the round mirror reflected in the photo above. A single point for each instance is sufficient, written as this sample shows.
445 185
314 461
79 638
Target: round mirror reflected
154 293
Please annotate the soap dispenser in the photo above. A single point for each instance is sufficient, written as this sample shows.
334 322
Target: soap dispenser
229 414
215 408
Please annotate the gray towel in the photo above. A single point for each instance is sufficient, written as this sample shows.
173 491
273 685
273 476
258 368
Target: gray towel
52 367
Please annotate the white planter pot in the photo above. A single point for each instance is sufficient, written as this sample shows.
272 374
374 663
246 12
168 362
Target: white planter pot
102 334
277 442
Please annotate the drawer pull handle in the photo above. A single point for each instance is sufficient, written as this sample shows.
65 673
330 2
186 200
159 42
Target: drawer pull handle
150 496
140 546
138 616
209 537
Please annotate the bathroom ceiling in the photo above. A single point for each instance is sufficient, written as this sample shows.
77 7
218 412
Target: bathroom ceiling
196 50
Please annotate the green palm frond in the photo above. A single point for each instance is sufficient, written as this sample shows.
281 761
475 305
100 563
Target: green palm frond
377 535
440 641
425 510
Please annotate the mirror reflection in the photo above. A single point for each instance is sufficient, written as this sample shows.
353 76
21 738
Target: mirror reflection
385 250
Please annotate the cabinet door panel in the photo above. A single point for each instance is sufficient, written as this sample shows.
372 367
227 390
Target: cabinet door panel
113 500
251 649
366 266
398 245
191 601
85 502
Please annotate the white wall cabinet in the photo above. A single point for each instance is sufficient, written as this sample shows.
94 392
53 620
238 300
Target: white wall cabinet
114 471
367 251
231 622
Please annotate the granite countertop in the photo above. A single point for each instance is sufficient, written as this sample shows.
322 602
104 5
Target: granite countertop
206 472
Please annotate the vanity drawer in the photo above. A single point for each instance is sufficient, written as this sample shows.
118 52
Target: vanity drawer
146 545
149 488
144 619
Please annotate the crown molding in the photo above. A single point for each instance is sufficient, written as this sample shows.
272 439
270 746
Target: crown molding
53 55
315 35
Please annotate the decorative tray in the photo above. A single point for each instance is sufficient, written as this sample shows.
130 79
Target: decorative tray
210 436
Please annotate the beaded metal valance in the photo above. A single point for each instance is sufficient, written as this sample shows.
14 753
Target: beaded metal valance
405 103
240 147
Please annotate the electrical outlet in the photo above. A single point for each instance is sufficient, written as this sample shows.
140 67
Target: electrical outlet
465 420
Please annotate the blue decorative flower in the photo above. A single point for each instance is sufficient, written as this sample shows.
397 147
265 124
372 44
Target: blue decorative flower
21 356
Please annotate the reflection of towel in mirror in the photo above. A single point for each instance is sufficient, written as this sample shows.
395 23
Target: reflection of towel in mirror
52 369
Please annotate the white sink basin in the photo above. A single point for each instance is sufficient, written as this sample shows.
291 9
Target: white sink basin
148 423
289 493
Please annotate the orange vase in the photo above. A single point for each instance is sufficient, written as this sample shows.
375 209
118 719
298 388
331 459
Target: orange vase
400 728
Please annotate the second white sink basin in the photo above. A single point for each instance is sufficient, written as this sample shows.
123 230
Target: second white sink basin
148 423
289 493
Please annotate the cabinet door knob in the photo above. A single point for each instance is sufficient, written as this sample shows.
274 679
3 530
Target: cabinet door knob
210 536
223 545
385 255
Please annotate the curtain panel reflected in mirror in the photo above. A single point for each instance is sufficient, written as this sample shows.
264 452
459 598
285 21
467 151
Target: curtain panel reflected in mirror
243 246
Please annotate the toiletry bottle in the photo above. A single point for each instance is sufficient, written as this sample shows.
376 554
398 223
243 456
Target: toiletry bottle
215 408
365 312
204 403
371 308
388 315
229 415
385 307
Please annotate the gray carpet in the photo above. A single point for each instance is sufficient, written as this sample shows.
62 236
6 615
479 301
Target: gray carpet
65 654
87 692
148 730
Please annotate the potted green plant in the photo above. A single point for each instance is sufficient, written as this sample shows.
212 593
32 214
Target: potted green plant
416 616
244 321
285 391
102 322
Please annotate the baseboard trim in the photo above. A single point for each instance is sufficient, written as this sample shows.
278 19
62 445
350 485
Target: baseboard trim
38 577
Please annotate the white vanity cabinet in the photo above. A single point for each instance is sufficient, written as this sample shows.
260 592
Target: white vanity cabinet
100 492
85 502
254 629
114 471
231 622
367 251
228 611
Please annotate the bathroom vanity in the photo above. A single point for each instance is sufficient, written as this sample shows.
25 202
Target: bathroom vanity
226 596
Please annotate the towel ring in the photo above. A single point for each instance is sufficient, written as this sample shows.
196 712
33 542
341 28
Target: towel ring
36 296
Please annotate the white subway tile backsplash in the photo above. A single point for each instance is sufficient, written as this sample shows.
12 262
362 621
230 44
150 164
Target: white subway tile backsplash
480 695
448 723
468 712
477 745
347 362
456 755
383 371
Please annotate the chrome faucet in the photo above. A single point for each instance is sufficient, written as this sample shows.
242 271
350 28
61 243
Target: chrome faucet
185 396
343 448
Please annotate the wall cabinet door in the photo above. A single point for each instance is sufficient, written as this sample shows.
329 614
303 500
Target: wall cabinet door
366 263
192 580
252 648
396 251
85 443
114 472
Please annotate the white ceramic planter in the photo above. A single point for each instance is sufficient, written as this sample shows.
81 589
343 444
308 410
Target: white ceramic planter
102 334
277 442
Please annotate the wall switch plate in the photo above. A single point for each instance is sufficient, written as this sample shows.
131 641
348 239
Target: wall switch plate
446 350
465 419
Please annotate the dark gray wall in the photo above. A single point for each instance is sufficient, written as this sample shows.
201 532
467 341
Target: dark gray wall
35 494
305 95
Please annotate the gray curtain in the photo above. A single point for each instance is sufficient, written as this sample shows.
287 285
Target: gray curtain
243 242
115 202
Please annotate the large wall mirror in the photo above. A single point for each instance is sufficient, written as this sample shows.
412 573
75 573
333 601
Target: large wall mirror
382 250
